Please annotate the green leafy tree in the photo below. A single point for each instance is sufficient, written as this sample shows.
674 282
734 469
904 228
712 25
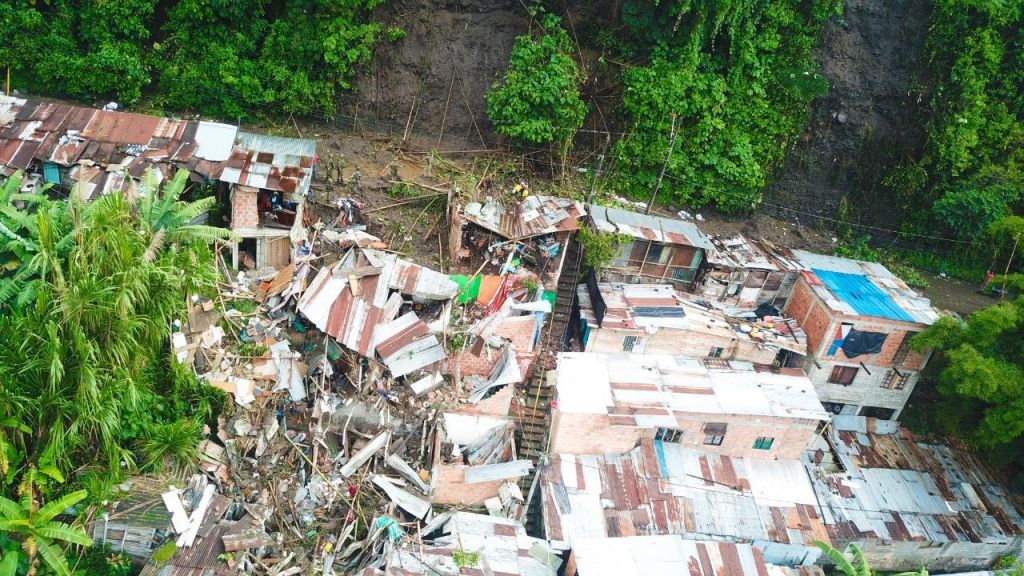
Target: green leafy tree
86 376
538 99
40 535
859 566
738 77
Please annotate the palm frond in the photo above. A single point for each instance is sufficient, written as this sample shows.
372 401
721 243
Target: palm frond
837 557
10 509
190 210
53 557
862 563
64 532
55 507
9 564
204 233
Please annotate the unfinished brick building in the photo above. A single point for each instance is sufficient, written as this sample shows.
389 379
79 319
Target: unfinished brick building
859 319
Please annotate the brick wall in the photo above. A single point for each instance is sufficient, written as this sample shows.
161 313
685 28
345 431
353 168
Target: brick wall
589 434
805 307
518 330
244 212
448 486
596 434
866 389
679 342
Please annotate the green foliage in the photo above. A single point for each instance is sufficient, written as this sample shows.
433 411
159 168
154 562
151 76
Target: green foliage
164 553
975 135
86 374
250 349
102 561
465 559
222 57
394 34
34 526
859 248
538 100
982 368
737 76
600 248
171 446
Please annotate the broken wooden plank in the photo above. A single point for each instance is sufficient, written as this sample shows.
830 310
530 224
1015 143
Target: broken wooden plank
406 471
357 271
364 455
179 517
407 501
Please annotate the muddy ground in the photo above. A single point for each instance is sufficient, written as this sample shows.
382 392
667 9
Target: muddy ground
871 117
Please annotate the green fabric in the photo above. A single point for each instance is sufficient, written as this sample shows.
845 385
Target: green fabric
468 289
551 297
394 532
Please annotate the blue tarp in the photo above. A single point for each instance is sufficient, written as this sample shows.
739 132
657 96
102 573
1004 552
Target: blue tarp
861 294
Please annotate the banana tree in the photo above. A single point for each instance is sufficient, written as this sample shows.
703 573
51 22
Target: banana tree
859 566
39 533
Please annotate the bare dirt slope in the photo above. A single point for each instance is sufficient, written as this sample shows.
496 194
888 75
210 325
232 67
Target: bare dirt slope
871 115
451 53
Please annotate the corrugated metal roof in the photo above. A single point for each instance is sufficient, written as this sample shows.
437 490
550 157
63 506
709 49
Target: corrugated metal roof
664 230
661 306
272 163
875 480
662 555
662 488
364 322
740 253
664 385
114 142
858 288
533 216
502 545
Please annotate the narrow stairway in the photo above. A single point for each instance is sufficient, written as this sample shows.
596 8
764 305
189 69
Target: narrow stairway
532 406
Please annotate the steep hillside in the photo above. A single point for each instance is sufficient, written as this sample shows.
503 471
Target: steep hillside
871 116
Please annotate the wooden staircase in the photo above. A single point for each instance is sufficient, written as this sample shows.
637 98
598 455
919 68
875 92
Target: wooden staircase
532 406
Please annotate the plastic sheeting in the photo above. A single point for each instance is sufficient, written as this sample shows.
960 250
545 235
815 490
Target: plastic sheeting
858 342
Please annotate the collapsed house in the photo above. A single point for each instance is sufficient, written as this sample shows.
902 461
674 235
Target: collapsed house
260 180
136 522
745 273
908 502
661 250
859 319
654 555
359 301
532 232
268 178
663 488
609 402
656 319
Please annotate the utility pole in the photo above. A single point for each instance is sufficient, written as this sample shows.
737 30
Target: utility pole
657 185
600 164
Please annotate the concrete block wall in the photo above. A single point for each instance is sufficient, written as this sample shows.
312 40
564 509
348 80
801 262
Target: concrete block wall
866 389
244 212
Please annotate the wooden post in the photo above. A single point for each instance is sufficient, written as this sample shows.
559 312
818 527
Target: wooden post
657 185
600 164
1002 289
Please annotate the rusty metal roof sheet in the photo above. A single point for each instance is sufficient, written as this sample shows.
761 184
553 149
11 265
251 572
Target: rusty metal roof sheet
663 488
533 216
74 135
876 480
658 555
739 253
364 320
646 227
271 162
